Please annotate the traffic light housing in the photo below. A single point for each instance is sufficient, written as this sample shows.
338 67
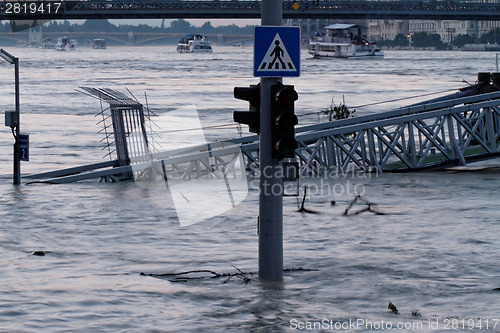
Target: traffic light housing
283 121
251 118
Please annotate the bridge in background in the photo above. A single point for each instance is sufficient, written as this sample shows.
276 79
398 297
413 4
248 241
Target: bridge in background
339 9
130 38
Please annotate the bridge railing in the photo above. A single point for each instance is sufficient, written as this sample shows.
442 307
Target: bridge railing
449 133
453 9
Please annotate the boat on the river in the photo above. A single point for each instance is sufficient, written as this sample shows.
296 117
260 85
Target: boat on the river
99 43
64 44
343 40
48 43
194 43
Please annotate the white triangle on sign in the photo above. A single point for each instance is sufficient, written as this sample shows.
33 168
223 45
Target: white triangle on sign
277 58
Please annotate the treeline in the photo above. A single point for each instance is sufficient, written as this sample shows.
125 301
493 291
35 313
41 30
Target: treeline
176 26
424 40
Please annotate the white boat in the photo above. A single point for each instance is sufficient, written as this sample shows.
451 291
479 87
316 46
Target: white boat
64 44
48 43
342 41
99 43
194 43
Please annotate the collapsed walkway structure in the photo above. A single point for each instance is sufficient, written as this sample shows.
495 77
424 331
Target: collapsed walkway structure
449 131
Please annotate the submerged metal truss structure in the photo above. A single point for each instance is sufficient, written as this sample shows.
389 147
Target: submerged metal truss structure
123 116
133 151
427 136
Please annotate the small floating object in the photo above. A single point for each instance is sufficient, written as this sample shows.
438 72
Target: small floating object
38 253
392 307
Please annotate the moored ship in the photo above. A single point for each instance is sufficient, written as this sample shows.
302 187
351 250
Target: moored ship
342 41
194 43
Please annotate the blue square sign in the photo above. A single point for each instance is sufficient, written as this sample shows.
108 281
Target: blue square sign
276 51
24 147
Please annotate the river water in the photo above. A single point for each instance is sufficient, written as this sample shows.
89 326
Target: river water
108 247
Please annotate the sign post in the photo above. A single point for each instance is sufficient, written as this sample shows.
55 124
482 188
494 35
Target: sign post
276 54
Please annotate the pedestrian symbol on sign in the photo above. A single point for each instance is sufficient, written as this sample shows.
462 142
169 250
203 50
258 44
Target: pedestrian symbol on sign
277 58
277 52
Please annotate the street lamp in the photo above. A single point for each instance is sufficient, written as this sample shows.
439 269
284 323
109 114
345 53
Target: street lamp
12 118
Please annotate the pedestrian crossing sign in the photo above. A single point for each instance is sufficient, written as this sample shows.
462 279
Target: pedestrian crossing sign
276 51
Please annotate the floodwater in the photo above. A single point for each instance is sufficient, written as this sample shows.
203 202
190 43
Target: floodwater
112 249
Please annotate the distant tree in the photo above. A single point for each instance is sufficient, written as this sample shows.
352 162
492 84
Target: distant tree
5 27
418 39
491 37
400 40
98 26
425 40
435 41
143 28
180 25
52 26
206 28
67 26
460 40
384 42
231 29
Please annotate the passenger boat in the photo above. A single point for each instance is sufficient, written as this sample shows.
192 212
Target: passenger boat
342 41
194 43
64 44
99 43
48 43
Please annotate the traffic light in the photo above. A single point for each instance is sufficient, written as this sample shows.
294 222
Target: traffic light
283 121
252 118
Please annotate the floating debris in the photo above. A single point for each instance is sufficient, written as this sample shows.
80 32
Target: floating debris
300 269
393 308
302 209
202 274
38 253
368 207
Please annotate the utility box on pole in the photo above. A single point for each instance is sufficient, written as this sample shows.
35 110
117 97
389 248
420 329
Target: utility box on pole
11 119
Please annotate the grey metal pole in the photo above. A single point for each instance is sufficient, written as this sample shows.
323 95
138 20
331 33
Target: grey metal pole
17 161
13 124
271 185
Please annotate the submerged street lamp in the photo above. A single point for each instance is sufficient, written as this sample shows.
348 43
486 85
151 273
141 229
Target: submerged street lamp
12 118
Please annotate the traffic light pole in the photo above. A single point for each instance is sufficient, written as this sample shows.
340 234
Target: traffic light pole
17 159
271 184
271 195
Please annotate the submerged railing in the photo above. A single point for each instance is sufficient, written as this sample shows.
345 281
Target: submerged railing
448 131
